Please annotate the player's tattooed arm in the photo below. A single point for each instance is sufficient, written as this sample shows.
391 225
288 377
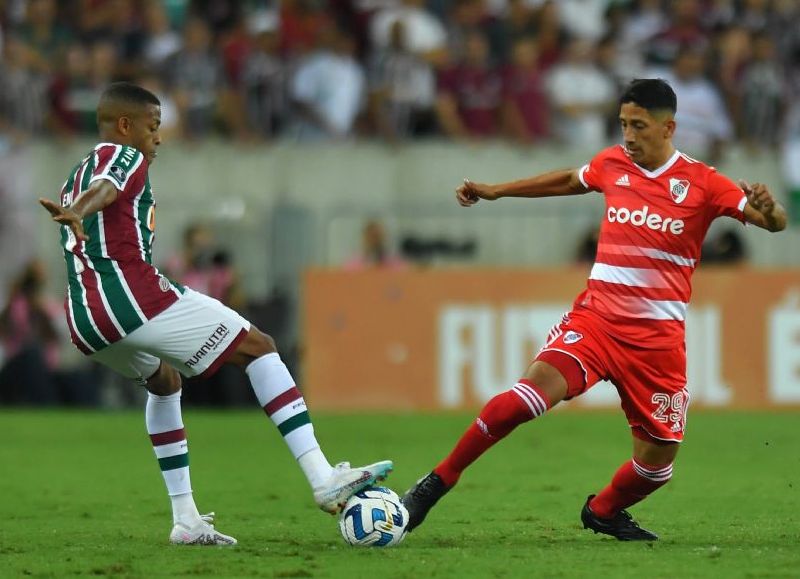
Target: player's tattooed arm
762 209
555 183
97 197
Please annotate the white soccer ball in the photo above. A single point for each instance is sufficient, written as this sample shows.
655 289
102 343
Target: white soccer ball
374 517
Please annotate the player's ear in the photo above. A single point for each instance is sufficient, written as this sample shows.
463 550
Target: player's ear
124 125
669 128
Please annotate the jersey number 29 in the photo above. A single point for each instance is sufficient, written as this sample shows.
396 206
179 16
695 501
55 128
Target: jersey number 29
671 409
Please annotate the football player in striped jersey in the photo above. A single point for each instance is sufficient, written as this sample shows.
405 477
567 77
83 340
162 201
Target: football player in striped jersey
123 313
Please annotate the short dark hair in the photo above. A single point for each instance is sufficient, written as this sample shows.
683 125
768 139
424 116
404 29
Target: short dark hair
650 94
127 92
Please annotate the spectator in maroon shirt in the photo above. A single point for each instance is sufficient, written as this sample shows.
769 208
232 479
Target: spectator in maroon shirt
520 22
301 24
525 104
550 35
470 93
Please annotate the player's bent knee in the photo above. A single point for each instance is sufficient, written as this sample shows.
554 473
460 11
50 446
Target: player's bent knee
254 346
568 368
259 344
652 451
549 380
166 381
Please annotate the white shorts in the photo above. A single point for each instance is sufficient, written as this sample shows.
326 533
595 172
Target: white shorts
195 335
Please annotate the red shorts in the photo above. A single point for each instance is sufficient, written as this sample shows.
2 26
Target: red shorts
651 383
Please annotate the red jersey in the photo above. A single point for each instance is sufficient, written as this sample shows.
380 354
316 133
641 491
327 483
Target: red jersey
650 239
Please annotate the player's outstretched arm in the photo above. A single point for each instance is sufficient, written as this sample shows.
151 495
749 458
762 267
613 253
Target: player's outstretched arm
97 197
555 183
762 209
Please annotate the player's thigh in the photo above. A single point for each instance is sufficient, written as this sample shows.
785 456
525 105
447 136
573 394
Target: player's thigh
196 334
129 361
569 363
653 394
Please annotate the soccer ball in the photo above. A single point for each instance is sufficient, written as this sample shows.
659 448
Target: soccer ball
374 517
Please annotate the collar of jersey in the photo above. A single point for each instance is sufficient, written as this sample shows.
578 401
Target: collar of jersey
663 168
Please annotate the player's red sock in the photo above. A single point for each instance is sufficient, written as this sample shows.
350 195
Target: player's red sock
499 417
631 483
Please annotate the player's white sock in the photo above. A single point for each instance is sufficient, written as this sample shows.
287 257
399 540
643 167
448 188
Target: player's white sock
316 467
165 427
183 509
284 404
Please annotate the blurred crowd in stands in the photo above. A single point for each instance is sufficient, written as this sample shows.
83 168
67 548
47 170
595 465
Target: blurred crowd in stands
524 70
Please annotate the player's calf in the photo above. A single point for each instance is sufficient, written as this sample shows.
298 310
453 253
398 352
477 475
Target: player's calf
502 414
284 404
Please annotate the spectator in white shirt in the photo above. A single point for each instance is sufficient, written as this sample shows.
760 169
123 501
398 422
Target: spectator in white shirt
327 90
162 41
402 90
703 122
581 95
584 19
423 31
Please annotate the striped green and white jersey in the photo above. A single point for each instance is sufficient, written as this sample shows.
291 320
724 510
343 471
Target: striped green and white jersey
113 287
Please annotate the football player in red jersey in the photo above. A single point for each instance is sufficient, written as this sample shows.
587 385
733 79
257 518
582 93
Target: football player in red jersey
628 325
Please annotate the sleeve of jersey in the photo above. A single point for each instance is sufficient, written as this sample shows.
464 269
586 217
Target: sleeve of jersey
589 174
118 164
725 197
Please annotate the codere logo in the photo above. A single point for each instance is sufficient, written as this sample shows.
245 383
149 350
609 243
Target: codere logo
643 217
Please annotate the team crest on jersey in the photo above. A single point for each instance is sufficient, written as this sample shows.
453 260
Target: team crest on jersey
572 337
679 189
163 284
118 173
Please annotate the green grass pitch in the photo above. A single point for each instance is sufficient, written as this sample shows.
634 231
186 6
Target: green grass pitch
81 495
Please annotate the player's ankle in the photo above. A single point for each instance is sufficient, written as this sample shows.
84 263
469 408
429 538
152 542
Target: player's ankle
184 511
448 475
315 467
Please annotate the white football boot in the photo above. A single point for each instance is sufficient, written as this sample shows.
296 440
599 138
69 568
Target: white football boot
201 533
345 482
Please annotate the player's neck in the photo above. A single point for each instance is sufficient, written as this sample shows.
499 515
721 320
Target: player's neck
115 139
659 160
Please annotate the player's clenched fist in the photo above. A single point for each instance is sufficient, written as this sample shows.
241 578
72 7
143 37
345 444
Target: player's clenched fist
758 196
469 193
